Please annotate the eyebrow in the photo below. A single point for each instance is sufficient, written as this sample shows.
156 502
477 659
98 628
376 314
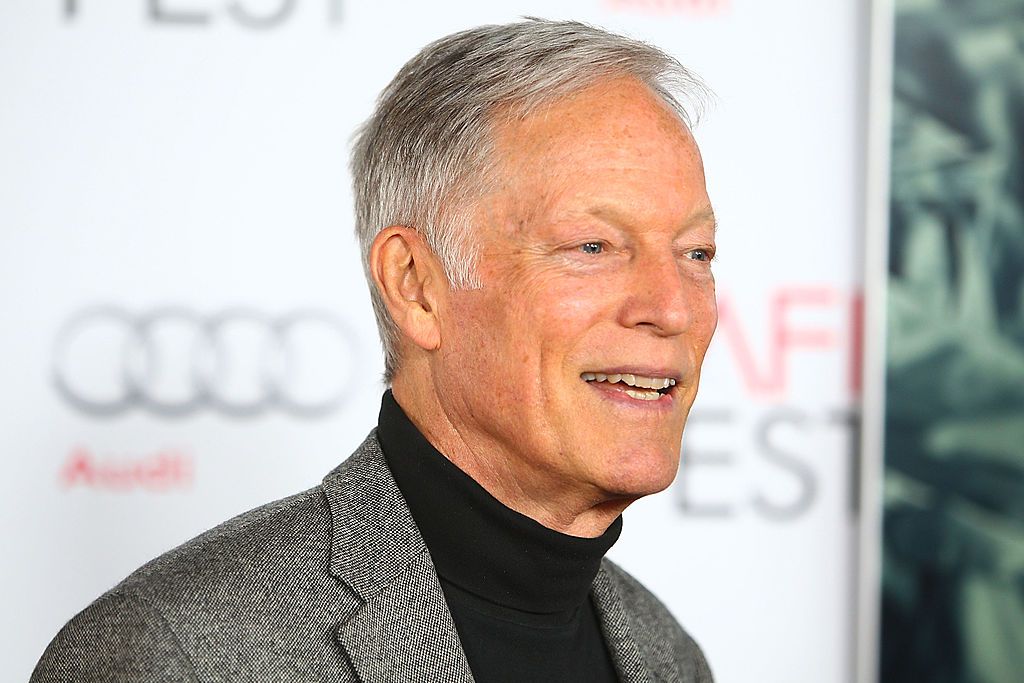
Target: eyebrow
611 214
706 215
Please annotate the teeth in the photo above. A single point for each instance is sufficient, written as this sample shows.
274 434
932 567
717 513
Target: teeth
631 380
643 395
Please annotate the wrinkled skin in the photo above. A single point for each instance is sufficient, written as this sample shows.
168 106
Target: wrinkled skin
595 253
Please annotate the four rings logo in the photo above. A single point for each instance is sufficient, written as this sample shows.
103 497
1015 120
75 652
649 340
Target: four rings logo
174 362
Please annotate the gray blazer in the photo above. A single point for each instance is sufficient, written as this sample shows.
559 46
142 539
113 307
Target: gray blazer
333 584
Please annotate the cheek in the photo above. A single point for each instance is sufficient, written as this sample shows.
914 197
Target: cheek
492 341
708 306
548 309
703 304
573 300
569 318
568 307
471 331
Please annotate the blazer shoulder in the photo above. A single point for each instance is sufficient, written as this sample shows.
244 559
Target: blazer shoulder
286 536
656 630
176 617
118 638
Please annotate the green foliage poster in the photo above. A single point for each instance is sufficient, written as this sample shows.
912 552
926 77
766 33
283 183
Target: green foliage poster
953 539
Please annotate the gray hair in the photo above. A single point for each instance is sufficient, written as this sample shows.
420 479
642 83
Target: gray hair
425 154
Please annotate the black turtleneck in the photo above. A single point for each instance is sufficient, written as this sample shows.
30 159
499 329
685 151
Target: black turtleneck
519 592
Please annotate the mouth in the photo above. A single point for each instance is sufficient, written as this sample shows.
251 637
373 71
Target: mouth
637 387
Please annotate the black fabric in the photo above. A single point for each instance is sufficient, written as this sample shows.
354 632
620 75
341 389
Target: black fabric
519 593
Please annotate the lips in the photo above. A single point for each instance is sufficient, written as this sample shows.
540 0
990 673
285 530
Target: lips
638 387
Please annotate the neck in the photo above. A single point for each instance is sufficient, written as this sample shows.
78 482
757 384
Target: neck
479 545
556 505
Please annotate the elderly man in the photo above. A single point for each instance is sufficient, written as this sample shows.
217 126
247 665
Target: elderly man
537 236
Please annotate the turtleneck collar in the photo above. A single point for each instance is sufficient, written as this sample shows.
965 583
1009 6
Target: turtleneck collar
476 542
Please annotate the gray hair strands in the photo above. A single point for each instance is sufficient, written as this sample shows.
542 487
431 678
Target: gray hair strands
424 155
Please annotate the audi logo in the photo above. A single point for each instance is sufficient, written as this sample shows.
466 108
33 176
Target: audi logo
175 362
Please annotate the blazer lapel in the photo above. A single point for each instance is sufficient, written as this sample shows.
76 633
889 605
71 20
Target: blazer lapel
629 660
402 629
405 632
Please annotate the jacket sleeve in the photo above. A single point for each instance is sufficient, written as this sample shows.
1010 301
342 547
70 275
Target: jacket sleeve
118 638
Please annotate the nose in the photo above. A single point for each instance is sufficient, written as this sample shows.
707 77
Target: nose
661 296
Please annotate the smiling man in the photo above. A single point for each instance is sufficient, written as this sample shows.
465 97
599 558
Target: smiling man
538 240
561 382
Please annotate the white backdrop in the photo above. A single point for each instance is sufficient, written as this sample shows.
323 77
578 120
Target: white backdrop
175 170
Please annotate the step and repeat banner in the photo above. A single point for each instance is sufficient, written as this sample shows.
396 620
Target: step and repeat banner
952 602
187 333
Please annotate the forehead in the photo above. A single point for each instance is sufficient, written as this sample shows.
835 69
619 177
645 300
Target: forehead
616 114
615 142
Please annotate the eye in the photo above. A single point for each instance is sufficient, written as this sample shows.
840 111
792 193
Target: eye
592 248
700 254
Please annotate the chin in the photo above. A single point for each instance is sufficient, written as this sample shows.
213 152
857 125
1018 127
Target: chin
642 474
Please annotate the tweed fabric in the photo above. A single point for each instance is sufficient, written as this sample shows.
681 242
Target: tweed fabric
645 640
333 584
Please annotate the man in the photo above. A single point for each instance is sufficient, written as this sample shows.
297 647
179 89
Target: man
537 235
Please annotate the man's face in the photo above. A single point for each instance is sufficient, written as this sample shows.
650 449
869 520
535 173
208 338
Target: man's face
595 251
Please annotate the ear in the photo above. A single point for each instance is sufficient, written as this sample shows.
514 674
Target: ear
410 280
